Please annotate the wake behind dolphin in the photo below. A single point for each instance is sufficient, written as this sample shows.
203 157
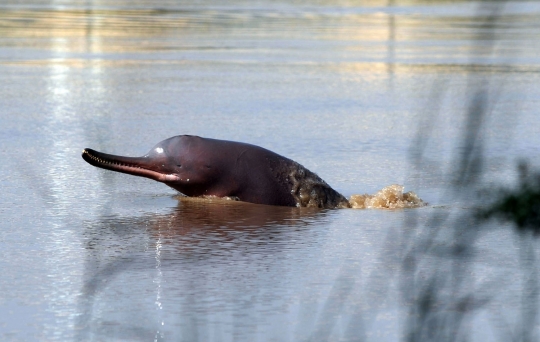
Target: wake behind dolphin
200 167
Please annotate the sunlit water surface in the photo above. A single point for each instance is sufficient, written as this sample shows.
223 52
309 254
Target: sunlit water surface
365 96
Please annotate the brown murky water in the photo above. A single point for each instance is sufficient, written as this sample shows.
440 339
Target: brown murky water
365 95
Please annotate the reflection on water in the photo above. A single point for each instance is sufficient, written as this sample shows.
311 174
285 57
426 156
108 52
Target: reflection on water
199 249
201 221
333 33
336 85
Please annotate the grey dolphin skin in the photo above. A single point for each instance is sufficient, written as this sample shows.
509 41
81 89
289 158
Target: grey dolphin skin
199 167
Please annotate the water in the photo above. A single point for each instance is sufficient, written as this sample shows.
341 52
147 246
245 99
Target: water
364 95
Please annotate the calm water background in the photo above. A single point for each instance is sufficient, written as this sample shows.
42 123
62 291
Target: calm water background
365 94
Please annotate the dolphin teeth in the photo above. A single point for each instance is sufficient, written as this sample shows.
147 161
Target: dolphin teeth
110 162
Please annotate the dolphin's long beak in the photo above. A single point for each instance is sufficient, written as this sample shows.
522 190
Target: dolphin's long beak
137 166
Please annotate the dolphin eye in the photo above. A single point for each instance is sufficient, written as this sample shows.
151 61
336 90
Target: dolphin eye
179 165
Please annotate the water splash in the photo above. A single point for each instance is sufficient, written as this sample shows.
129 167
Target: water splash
390 197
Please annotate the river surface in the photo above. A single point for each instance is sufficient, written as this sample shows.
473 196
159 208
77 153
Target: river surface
365 94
